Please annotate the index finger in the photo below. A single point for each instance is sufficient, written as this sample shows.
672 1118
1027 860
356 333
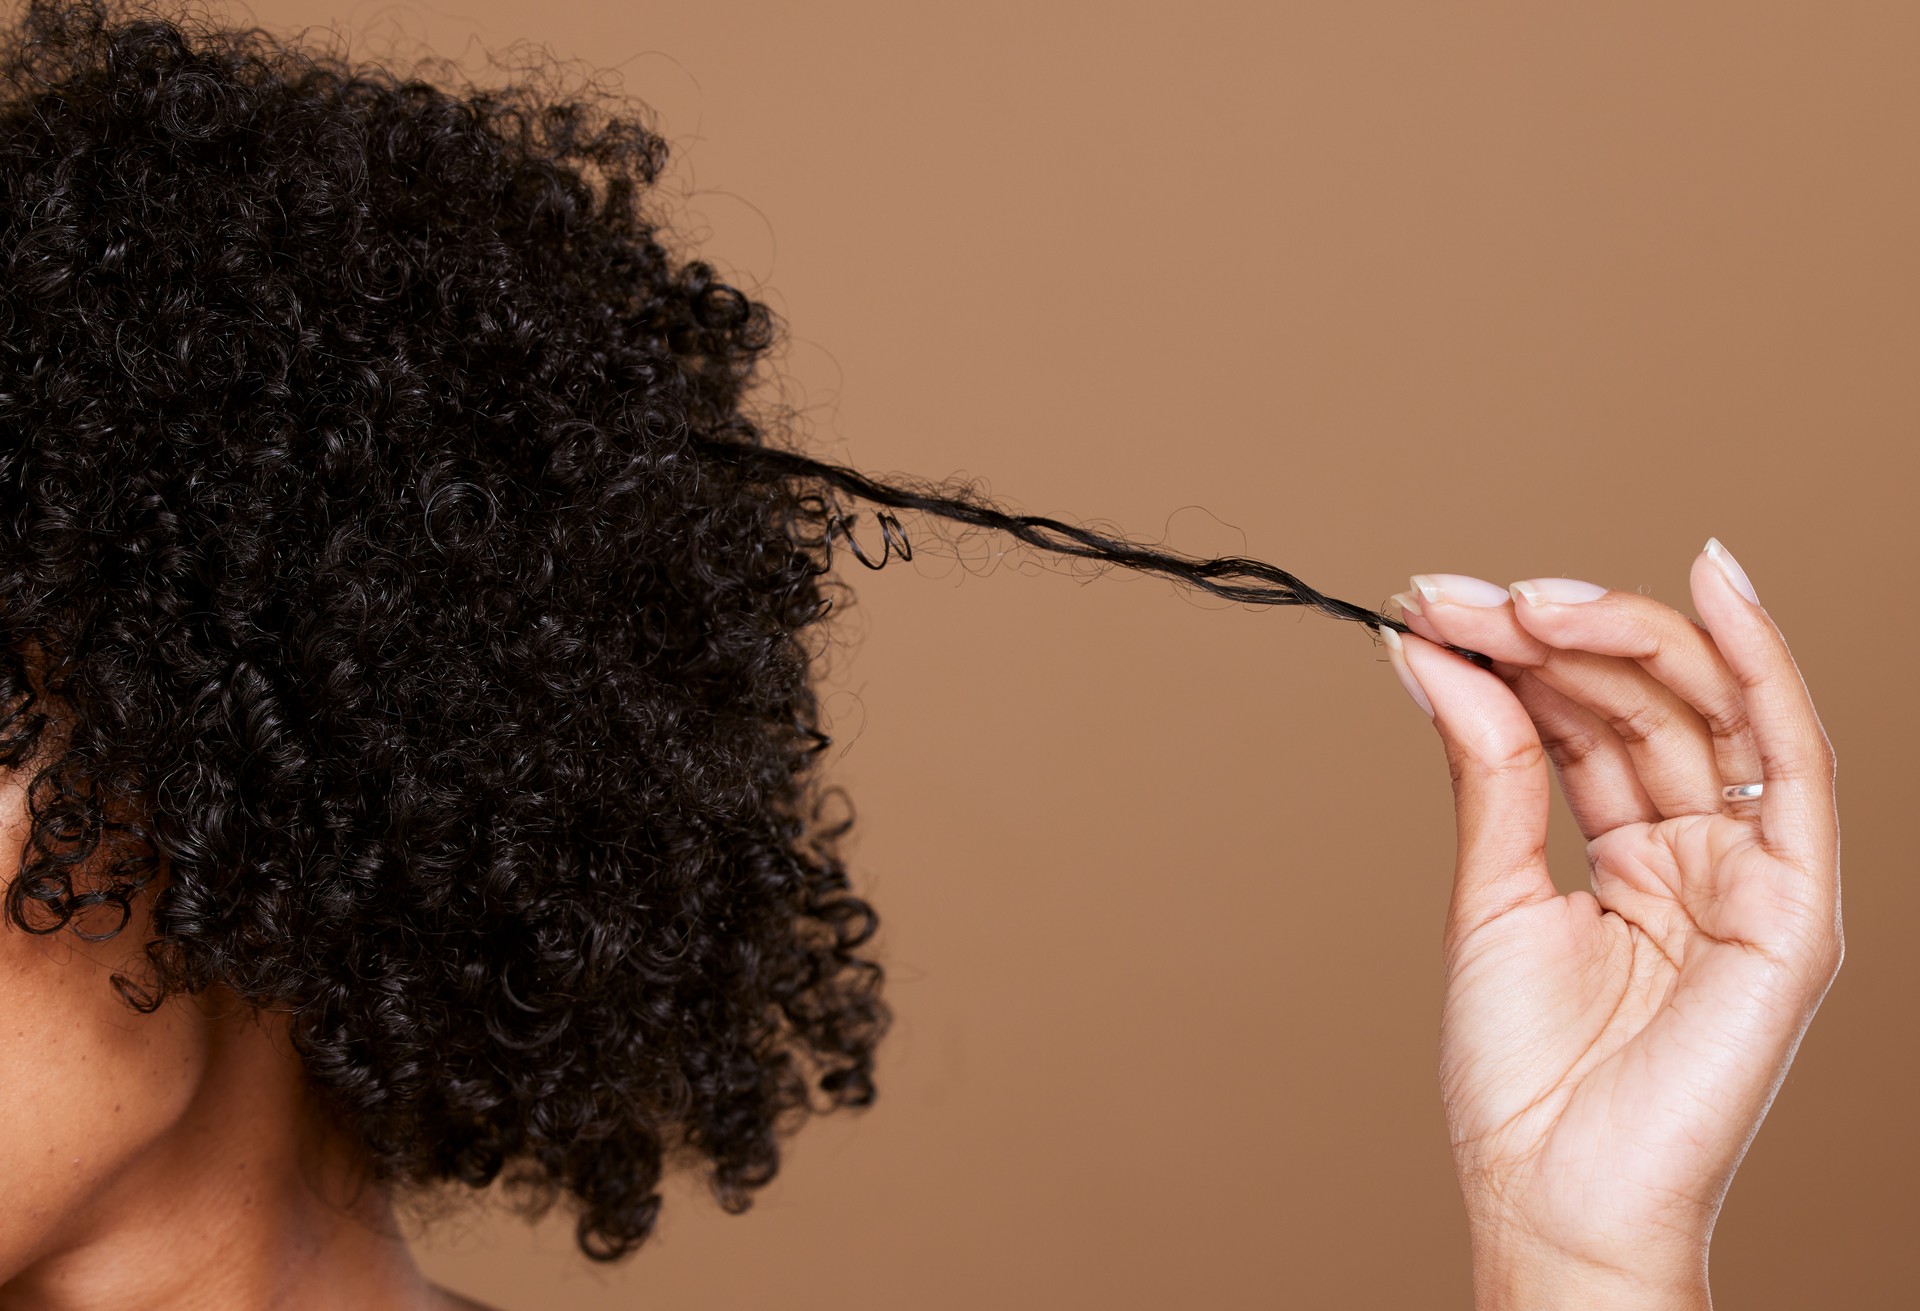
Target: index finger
1797 817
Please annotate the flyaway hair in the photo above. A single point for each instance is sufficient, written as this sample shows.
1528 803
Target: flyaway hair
1236 578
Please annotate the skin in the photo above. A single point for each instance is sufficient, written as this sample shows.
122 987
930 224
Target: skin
172 1160
1607 1056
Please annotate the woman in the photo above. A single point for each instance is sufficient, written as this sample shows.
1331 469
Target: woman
405 697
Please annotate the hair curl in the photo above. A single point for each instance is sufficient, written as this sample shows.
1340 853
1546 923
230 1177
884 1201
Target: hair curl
364 596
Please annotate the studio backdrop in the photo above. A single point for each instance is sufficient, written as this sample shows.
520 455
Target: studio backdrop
1365 289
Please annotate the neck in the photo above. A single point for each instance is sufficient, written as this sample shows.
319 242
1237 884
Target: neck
250 1200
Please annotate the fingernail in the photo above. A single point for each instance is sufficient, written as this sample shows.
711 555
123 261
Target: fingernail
1397 657
1459 589
1557 591
1731 568
1408 606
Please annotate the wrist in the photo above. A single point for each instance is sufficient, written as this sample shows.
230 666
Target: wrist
1511 1273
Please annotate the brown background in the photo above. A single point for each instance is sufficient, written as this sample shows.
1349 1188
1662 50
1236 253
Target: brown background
1502 289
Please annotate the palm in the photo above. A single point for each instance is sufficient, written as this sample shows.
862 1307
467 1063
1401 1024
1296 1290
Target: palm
1598 1050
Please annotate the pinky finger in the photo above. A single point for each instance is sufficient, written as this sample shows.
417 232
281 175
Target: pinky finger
1797 818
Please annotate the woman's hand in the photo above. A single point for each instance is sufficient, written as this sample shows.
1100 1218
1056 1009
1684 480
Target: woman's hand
1606 1057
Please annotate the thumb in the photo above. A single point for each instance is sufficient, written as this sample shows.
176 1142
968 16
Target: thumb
1501 793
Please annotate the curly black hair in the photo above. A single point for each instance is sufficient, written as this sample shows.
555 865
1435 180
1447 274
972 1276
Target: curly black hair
400 604
363 595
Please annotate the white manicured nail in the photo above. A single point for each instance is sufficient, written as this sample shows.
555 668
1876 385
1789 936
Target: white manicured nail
1459 589
1729 566
1557 591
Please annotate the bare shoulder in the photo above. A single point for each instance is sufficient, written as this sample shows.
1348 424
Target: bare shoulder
445 1299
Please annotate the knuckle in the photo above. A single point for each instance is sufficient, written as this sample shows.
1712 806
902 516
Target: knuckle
1571 745
1641 723
1522 758
1464 766
1649 633
1813 764
1824 758
1729 723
